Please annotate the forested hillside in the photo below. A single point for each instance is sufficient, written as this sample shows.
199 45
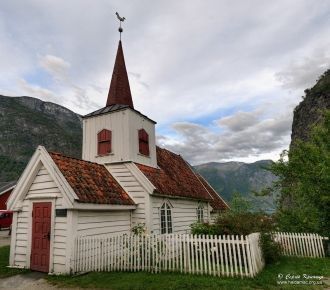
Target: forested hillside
27 122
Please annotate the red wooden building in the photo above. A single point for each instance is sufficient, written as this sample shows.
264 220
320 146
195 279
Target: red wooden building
5 191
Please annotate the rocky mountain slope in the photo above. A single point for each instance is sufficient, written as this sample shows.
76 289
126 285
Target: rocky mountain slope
309 111
25 123
244 178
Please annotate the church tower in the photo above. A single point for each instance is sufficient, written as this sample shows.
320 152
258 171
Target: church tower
118 132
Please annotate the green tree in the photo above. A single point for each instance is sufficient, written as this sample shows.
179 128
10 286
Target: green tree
239 204
304 182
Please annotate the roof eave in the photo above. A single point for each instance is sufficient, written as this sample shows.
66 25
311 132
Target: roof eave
156 193
117 110
8 189
97 206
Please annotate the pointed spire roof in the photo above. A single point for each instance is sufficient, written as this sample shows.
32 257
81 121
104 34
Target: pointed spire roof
120 92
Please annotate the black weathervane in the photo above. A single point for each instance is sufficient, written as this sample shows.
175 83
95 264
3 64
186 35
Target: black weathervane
121 19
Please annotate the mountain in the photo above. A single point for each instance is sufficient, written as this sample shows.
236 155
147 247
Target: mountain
245 178
27 122
308 112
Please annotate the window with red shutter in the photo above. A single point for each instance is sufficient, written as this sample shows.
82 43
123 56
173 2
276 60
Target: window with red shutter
104 142
143 142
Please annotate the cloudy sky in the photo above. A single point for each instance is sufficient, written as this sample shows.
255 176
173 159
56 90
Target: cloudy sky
221 78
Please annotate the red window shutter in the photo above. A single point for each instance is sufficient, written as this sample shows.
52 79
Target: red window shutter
104 142
143 142
147 147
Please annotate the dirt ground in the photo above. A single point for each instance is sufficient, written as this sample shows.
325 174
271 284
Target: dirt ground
32 280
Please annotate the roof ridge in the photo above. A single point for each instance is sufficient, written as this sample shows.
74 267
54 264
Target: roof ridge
199 176
162 148
70 157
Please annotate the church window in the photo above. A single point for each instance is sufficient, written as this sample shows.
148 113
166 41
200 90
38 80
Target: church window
143 142
166 219
200 213
104 142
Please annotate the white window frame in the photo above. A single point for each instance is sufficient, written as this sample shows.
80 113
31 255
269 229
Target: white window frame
200 213
166 218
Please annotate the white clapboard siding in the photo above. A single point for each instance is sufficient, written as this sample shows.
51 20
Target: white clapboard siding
300 244
42 184
196 254
133 187
184 213
124 125
94 223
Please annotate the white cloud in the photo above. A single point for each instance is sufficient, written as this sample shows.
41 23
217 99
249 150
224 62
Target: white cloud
240 121
37 91
56 66
200 144
187 60
302 73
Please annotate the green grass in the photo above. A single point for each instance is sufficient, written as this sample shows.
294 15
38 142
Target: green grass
4 261
267 279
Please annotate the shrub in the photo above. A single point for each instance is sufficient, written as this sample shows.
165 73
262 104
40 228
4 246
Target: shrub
139 229
203 229
243 223
271 250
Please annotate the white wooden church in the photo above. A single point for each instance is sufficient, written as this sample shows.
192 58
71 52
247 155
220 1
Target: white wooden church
122 180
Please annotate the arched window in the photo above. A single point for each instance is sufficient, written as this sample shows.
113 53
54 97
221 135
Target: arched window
165 219
143 142
200 213
104 142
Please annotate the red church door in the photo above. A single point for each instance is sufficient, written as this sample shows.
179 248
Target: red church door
41 236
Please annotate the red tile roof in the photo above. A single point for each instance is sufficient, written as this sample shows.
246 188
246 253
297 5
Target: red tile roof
174 177
217 203
91 182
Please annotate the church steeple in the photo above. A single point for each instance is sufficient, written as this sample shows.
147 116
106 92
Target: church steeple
117 132
120 92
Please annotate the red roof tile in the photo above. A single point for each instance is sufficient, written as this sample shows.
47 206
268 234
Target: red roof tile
91 182
217 203
174 177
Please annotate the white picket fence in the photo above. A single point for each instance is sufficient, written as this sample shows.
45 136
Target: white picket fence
300 244
195 254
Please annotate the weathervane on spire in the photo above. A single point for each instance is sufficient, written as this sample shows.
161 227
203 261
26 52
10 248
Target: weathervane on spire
121 19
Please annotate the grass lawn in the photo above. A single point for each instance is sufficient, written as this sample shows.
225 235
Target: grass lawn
4 261
142 280
267 279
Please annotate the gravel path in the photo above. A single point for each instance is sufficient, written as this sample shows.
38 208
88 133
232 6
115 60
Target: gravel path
33 281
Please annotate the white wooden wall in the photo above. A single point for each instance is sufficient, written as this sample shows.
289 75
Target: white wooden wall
134 188
96 223
184 213
124 126
21 236
42 186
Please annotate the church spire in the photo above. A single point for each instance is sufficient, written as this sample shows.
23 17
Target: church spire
120 92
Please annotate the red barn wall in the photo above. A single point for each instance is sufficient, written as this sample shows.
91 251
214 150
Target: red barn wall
3 199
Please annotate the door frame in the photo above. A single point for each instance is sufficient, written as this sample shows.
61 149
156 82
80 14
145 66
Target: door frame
52 231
